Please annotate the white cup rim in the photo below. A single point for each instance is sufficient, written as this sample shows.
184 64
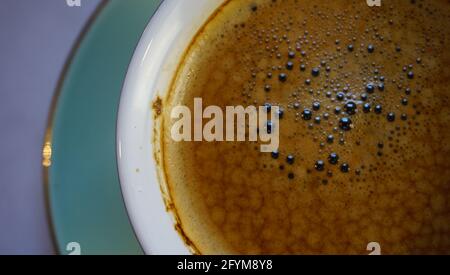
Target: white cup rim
149 75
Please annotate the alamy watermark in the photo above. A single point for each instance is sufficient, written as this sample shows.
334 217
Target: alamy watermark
73 248
73 3
374 3
77 3
374 248
235 123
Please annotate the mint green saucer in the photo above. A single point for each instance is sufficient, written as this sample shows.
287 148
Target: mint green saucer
84 197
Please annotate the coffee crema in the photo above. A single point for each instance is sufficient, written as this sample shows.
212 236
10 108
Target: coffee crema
364 129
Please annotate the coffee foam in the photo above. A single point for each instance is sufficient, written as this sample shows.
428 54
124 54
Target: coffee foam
230 198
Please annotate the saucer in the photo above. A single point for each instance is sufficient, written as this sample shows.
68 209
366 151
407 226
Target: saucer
80 170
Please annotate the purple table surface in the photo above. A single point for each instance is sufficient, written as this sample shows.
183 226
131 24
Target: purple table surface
35 40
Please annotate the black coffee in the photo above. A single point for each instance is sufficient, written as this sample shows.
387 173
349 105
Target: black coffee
364 132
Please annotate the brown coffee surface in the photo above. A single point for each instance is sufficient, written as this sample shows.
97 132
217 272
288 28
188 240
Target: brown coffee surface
384 69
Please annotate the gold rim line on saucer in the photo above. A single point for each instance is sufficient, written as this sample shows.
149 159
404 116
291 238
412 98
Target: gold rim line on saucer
47 146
